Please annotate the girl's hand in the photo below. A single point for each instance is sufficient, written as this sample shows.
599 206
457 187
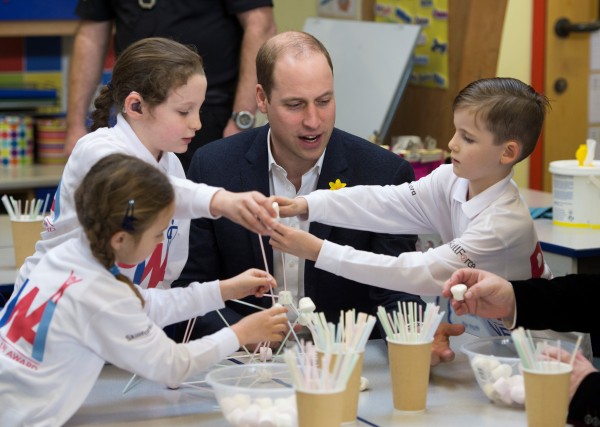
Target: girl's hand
292 207
251 282
251 209
296 242
267 325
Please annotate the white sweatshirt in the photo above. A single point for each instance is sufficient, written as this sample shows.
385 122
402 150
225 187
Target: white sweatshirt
493 231
72 315
192 201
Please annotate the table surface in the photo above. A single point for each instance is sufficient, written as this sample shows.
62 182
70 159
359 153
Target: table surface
28 177
454 399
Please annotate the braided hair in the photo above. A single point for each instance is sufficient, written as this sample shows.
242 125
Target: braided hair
103 201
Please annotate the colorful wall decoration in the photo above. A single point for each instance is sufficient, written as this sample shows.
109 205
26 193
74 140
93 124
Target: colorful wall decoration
431 53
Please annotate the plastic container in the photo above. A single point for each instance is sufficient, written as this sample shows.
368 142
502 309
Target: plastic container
496 365
255 394
576 194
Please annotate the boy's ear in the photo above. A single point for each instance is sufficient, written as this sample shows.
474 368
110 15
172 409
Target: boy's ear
511 153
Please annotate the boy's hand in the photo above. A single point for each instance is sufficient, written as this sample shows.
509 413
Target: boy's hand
292 207
441 351
251 209
295 242
251 282
267 325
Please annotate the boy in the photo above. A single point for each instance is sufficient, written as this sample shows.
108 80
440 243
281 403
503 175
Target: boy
472 204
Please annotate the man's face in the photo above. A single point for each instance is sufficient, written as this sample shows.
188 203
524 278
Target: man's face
301 110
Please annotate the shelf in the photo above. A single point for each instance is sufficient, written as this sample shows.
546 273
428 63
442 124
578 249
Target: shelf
38 28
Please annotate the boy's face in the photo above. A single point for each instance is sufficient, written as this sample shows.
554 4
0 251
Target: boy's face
474 155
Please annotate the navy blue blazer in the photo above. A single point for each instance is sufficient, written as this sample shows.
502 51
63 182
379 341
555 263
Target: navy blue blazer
220 249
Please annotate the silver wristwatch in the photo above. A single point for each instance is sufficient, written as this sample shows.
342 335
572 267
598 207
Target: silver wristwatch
243 119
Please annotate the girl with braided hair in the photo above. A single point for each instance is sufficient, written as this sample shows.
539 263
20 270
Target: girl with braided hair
157 89
76 310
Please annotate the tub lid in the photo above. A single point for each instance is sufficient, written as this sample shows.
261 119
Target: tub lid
571 167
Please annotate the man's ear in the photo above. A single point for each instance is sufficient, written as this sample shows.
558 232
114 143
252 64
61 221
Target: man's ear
511 153
261 99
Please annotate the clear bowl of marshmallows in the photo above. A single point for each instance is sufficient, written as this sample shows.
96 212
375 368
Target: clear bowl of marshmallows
259 394
496 365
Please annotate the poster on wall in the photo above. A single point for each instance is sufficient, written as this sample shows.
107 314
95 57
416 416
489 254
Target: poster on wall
431 52
346 9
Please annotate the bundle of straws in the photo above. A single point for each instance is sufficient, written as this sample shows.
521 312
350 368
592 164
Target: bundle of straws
351 334
535 353
306 374
29 210
410 323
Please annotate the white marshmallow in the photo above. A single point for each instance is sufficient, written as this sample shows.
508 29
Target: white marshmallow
265 354
458 292
276 208
364 383
501 371
517 394
304 319
264 402
266 419
306 305
285 298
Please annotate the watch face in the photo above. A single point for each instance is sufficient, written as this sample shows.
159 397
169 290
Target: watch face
244 120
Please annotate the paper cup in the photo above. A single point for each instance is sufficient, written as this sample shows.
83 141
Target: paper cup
352 391
409 369
319 408
25 234
547 394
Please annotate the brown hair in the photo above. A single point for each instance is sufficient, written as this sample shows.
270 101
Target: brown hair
510 109
152 67
102 202
295 41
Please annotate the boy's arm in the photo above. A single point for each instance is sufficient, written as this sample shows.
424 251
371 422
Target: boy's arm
395 209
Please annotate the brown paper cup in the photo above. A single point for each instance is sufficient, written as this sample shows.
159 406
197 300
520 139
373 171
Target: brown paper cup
547 395
352 391
25 234
319 408
409 369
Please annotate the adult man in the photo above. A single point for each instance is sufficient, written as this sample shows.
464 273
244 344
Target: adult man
226 33
297 152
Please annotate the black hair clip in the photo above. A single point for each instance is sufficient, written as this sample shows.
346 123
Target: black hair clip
129 218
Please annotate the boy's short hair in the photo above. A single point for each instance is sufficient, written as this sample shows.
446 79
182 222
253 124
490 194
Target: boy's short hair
510 109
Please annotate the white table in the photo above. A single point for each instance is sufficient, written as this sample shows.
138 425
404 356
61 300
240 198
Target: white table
454 400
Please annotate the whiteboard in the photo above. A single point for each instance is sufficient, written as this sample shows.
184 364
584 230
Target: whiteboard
372 62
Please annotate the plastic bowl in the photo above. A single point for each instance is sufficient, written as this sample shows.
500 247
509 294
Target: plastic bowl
496 365
255 394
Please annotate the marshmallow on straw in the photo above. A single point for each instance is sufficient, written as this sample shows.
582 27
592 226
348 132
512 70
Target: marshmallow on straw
409 323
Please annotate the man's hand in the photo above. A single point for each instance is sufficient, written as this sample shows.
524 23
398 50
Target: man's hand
441 352
488 295
251 210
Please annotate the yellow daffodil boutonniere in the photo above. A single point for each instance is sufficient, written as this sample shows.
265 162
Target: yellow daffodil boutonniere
336 185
